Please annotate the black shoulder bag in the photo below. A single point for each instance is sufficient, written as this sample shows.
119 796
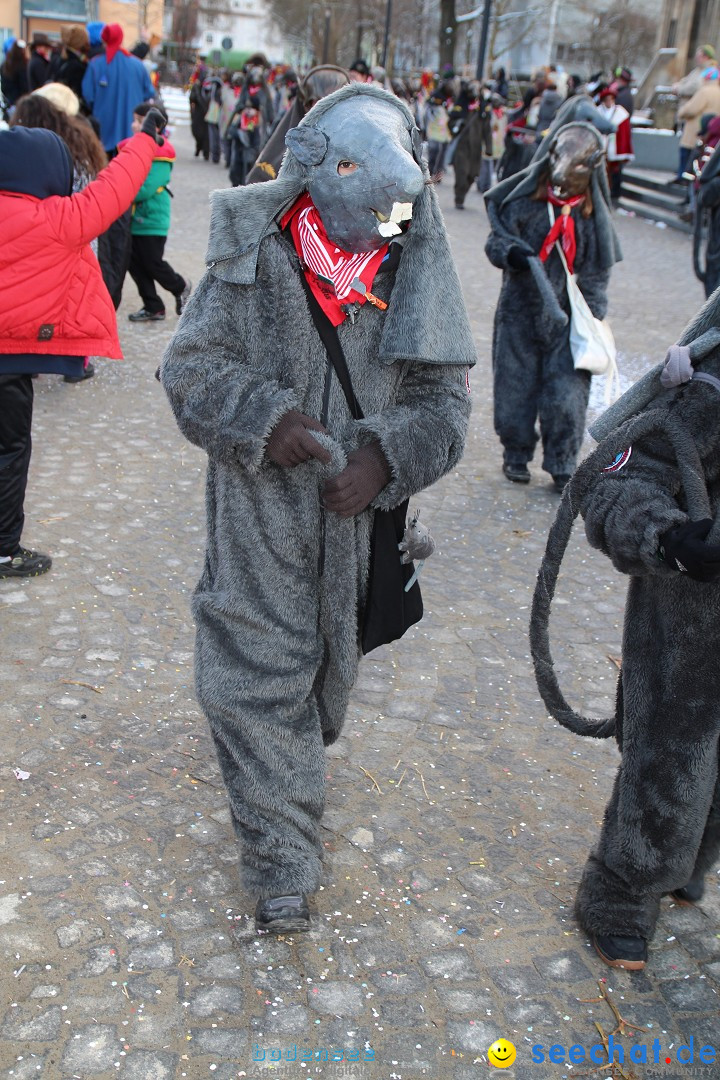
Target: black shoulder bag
389 609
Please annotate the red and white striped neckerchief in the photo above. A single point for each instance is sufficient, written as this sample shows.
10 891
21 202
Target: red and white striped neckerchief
563 228
329 270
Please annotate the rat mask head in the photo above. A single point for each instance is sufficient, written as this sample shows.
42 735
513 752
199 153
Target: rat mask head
360 158
572 157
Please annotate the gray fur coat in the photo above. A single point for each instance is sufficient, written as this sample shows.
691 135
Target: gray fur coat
280 599
662 825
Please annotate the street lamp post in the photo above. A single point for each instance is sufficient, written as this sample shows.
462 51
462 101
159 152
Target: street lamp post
480 70
326 36
388 18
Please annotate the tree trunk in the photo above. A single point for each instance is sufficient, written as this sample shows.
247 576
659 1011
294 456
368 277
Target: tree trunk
448 28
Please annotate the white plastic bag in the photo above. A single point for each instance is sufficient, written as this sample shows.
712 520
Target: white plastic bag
591 340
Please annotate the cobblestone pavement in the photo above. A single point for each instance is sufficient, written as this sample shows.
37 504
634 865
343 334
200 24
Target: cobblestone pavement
458 815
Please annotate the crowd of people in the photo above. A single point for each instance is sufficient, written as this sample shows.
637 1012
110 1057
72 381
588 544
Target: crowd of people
304 475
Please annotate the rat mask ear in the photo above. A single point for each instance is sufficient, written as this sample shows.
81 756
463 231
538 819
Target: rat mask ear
307 144
416 144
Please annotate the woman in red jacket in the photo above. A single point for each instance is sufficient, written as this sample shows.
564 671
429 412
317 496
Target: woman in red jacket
54 307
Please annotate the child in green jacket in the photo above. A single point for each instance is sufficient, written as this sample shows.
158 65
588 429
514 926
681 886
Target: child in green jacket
149 229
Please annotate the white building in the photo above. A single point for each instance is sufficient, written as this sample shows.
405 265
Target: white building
231 27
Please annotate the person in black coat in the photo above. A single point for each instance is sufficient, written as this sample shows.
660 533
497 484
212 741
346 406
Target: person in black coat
38 70
73 62
623 93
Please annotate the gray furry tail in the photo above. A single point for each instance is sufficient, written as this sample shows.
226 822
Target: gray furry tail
545 676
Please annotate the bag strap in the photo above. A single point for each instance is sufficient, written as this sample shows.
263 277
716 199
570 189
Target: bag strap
330 339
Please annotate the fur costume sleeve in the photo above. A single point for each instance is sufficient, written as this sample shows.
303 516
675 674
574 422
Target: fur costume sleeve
504 234
422 436
627 512
709 193
222 404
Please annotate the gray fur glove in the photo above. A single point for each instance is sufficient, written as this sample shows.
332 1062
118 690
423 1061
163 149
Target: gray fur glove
678 367
365 475
291 443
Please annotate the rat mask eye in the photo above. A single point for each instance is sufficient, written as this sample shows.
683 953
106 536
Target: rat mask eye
346 167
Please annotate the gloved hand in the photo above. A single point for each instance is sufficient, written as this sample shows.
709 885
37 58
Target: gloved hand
291 443
683 548
351 491
153 124
518 259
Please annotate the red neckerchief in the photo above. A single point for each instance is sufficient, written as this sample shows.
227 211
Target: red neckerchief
329 270
563 228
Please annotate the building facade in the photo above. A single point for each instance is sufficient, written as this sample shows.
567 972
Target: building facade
686 25
23 18
224 31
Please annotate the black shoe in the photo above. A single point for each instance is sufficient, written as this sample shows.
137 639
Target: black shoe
143 315
182 299
25 563
459 206
87 373
560 481
621 952
690 894
283 915
519 474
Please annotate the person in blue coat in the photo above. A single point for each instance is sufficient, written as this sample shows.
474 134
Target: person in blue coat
113 85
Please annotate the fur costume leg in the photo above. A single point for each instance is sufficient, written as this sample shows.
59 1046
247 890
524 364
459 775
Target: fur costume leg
707 856
663 819
517 367
269 744
259 662
562 405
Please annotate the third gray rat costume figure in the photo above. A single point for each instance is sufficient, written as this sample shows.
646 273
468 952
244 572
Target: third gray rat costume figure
560 198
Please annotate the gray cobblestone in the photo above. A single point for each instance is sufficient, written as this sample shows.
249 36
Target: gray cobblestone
119 863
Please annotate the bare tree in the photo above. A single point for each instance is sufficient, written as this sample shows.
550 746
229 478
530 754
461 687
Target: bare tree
615 34
185 23
512 25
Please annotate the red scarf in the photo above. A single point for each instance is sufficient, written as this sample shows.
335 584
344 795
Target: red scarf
329 270
563 229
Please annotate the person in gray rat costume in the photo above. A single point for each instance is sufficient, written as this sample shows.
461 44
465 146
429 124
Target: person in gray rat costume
560 198
650 496
292 480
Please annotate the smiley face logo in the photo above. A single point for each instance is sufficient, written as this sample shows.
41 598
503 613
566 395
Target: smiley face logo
501 1054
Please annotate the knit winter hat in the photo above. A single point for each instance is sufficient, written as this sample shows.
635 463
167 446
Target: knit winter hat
61 96
94 30
34 161
112 35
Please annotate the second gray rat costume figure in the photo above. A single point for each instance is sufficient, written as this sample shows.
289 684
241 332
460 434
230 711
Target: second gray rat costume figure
650 497
560 198
292 479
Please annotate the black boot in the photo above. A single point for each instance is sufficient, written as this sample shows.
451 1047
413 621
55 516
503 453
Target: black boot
621 952
519 474
692 893
283 915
